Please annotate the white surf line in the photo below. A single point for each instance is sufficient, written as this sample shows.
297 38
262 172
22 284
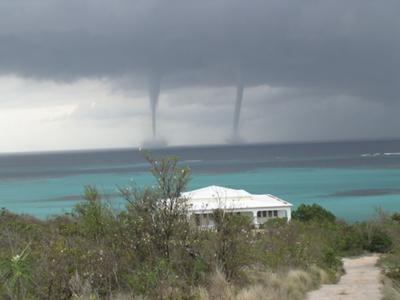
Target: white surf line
361 282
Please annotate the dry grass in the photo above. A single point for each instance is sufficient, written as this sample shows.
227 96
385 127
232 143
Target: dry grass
266 286
81 290
319 275
263 285
219 288
389 291
121 296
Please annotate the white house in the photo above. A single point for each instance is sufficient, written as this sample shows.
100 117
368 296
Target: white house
260 208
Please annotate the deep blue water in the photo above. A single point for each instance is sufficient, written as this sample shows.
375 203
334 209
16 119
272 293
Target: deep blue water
351 179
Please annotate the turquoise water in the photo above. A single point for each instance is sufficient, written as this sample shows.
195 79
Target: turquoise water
44 185
296 185
311 185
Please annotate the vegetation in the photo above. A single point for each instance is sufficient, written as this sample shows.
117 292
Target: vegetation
150 250
314 212
390 261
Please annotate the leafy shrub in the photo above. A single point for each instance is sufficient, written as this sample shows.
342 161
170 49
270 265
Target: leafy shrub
94 215
390 262
314 212
380 242
350 241
396 217
15 274
231 241
375 237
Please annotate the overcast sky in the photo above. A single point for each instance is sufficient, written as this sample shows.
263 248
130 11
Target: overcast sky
74 74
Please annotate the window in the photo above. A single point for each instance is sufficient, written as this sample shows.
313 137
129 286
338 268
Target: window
275 213
270 213
264 213
259 214
197 219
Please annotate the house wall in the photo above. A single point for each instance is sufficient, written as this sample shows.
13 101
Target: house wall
282 214
267 214
202 219
206 219
258 216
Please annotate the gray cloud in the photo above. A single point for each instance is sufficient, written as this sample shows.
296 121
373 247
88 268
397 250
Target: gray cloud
311 69
340 46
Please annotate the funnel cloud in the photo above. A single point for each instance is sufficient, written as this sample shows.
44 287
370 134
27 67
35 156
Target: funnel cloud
238 107
308 58
154 93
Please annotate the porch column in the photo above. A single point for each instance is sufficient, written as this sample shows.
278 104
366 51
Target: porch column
288 214
255 219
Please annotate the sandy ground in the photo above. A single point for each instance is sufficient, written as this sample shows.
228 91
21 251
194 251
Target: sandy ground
361 282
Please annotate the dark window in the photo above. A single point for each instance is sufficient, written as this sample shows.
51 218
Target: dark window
264 213
197 219
270 213
275 213
259 214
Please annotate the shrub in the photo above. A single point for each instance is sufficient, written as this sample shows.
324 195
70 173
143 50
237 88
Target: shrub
160 213
94 215
380 242
350 241
15 274
396 217
314 212
391 266
375 237
232 239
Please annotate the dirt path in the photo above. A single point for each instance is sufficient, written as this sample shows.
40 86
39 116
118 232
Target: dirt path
361 282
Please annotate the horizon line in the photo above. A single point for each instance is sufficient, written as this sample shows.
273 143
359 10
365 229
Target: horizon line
138 148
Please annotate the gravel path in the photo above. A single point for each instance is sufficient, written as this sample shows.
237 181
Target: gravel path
361 282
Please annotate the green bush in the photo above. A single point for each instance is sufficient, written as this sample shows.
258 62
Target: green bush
232 238
95 216
390 262
380 242
350 241
396 217
314 212
375 237
15 274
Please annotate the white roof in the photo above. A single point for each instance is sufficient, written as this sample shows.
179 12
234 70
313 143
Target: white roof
214 197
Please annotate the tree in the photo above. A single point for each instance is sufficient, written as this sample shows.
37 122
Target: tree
233 232
314 212
159 214
96 216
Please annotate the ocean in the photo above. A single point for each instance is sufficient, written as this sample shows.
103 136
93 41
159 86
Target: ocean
352 179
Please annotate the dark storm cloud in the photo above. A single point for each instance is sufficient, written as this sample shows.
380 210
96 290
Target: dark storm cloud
341 46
